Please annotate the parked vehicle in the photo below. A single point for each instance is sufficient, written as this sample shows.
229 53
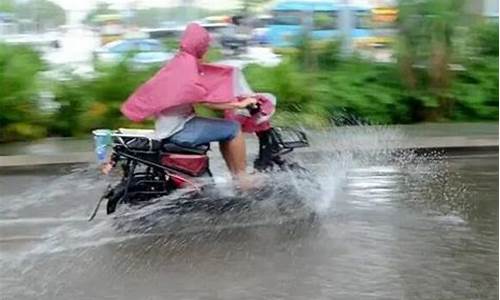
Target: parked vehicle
321 19
384 24
235 37
140 51
110 27
42 41
260 25
361 26
292 18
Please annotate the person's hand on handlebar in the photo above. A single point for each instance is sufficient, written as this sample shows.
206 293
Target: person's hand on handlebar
247 102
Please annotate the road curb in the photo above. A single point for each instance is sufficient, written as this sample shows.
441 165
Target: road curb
28 161
41 160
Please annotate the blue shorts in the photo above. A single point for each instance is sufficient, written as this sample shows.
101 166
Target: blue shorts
200 131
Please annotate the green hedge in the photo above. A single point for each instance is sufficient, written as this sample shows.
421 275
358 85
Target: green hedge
20 117
357 90
87 104
315 86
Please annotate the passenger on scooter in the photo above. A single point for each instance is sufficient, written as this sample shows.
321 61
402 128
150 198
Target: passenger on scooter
169 97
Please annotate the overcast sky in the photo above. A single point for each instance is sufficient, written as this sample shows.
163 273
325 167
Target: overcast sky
210 4
88 4
77 9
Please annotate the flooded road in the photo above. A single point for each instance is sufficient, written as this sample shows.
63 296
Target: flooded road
423 228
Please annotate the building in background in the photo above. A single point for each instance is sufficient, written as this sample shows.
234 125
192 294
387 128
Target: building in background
111 27
8 24
486 8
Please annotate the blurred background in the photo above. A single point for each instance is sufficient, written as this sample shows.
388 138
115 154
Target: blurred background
66 66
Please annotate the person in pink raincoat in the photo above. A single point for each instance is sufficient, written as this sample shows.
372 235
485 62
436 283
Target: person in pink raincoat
170 94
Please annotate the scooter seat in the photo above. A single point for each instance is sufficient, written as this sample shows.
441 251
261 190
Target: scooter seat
174 148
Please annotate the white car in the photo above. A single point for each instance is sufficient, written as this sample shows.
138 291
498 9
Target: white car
141 51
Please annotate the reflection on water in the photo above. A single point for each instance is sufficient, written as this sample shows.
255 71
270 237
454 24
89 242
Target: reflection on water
390 227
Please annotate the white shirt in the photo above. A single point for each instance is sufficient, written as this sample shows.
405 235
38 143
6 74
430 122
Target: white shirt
172 120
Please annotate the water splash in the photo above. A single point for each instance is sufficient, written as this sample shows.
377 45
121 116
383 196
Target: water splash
353 158
346 166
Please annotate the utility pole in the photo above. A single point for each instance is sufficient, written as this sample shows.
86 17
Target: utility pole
346 27
34 17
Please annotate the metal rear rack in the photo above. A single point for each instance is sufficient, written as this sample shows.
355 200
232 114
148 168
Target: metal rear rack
136 142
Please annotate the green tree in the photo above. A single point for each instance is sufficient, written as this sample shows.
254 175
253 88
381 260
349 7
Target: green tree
485 38
7 6
45 14
427 31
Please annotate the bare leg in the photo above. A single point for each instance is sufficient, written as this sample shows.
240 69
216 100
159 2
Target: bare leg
234 153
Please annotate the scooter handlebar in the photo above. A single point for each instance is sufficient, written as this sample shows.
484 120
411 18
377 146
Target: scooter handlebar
253 108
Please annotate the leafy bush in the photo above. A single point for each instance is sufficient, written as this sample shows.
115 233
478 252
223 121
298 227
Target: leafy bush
475 91
20 117
73 99
352 90
87 104
355 87
285 81
485 38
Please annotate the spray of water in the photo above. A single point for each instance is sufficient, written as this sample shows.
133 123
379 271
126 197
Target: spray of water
340 163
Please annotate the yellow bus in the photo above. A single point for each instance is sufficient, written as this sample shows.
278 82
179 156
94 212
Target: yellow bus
111 27
384 25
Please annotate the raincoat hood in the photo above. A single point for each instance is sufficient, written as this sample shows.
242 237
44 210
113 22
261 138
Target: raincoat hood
195 40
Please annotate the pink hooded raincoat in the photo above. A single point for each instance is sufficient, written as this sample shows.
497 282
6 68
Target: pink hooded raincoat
184 80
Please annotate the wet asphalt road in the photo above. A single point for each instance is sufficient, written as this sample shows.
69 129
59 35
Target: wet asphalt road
417 228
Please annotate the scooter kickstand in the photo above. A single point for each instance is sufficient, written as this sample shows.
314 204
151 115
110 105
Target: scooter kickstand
96 209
